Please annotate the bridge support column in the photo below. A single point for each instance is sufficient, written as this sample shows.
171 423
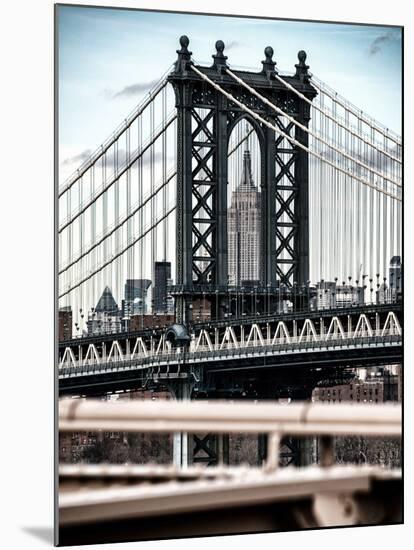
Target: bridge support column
305 451
305 446
261 448
223 449
181 458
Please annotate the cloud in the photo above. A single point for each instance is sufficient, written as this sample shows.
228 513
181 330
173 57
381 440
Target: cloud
381 40
110 159
232 44
77 159
132 90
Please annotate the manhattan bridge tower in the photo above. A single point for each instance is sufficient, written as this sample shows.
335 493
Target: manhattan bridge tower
206 235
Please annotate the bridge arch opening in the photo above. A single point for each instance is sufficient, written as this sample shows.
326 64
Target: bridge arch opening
244 216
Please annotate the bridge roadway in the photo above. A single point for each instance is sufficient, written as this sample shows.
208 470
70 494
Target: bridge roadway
207 368
368 309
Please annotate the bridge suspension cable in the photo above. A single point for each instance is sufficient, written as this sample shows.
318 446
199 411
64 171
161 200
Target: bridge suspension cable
120 222
129 162
119 253
290 138
358 135
97 240
310 132
93 159
323 88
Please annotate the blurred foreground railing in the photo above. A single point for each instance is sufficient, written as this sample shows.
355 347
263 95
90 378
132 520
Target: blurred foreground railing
114 502
272 419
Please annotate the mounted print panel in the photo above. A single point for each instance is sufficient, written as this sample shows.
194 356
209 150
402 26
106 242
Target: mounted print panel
230 275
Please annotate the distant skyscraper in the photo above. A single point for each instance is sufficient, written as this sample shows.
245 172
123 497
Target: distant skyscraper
390 290
325 295
395 275
170 299
348 295
65 323
106 317
244 229
162 274
330 295
106 303
135 296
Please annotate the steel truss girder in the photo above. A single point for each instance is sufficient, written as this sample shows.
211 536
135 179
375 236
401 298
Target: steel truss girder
203 189
286 230
357 321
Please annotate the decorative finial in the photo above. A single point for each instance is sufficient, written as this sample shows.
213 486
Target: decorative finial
301 67
184 42
301 55
269 54
268 63
220 47
219 57
184 55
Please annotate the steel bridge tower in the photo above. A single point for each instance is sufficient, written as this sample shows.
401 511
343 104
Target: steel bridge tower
206 118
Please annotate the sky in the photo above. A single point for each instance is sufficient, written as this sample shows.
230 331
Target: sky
110 58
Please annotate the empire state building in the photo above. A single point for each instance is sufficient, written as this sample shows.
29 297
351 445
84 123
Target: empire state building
244 229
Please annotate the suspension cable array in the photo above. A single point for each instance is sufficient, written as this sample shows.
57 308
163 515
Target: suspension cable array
152 94
339 206
325 91
130 211
304 128
117 211
292 140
